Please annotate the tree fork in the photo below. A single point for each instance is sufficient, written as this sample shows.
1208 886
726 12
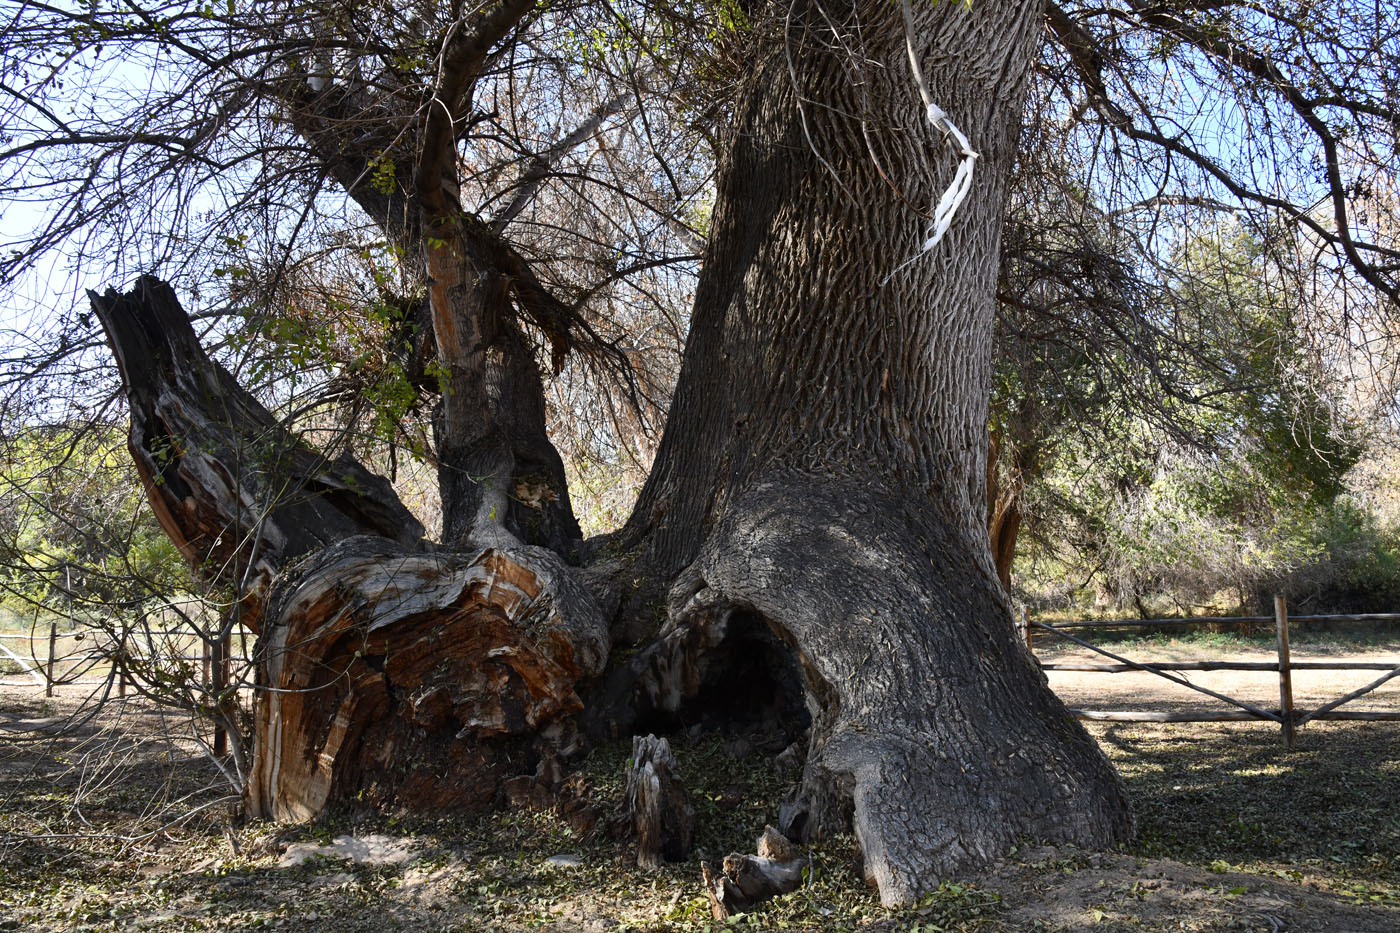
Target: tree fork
387 671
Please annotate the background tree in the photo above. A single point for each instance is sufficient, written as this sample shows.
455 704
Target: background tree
1132 146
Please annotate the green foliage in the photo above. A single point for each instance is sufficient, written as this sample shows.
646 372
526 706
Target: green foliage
1217 486
73 513
1353 562
343 331
383 175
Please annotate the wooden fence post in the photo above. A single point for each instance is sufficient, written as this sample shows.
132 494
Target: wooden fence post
221 677
1285 674
53 643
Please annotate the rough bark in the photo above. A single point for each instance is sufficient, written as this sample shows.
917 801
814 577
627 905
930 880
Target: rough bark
818 499
490 426
501 480
824 464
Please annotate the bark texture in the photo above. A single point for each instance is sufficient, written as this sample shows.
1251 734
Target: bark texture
824 464
232 488
746 880
931 722
810 347
819 498
501 480
1004 506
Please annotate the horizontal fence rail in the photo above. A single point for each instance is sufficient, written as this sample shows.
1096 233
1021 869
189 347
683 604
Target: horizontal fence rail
87 649
1199 620
1288 717
96 646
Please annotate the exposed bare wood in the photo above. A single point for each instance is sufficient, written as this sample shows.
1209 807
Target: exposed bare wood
657 804
1168 715
1222 715
1340 701
1255 711
1197 620
237 493
746 880
427 680
25 668
48 672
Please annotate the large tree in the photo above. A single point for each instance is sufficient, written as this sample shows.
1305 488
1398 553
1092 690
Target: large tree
815 517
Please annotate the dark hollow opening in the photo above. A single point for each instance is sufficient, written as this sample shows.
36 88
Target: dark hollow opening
751 684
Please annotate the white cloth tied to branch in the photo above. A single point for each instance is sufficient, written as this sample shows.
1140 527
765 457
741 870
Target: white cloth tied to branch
952 198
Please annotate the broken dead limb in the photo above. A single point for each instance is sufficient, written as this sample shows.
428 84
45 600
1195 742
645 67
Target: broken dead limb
746 880
389 671
658 808
418 679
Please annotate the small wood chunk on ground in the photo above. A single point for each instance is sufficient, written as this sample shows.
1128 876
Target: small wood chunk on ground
746 880
658 806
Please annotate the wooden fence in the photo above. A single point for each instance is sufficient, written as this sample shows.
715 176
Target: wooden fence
217 658
59 667
1287 715
85 650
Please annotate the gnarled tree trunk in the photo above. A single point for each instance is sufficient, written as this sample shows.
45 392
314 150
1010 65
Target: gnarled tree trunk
388 671
818 502
822 474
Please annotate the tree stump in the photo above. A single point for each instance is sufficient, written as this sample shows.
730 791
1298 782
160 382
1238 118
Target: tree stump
658 807
419 679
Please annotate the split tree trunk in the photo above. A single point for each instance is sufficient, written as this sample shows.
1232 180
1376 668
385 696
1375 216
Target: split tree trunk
237 494
389 672
819 497
420 680
824 466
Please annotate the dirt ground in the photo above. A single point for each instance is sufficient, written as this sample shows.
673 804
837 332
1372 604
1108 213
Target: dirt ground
120 821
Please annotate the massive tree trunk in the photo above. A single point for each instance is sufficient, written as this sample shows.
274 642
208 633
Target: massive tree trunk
823 472
817 504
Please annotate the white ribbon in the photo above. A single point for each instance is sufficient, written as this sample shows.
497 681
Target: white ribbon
952 198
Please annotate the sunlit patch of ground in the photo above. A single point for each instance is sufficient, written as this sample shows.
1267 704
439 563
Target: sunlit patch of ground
1234 832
